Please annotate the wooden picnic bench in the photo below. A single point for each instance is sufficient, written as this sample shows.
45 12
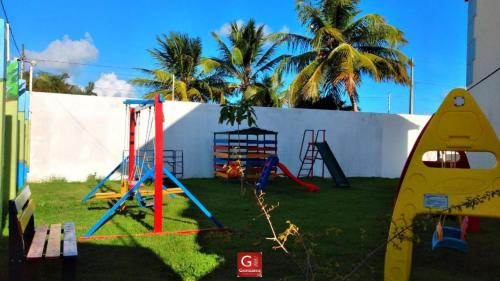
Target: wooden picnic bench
30 246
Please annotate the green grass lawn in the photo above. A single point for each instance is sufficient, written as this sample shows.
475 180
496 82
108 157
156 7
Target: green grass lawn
340 226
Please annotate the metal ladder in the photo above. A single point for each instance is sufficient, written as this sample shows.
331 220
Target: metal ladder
310 156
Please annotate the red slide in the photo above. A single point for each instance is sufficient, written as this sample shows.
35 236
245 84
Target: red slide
310 187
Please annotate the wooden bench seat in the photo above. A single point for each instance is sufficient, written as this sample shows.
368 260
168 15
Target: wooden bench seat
29 244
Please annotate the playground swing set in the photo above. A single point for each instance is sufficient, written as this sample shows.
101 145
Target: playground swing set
140 171
133 166
436 187
448 236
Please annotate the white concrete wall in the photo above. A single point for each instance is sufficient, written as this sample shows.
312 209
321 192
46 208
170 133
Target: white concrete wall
74 136
483 56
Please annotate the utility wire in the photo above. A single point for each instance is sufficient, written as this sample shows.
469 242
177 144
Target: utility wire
139 69
87 64
10 28
433 84
485 78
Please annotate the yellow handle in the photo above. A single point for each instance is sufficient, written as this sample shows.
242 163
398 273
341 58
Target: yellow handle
439 231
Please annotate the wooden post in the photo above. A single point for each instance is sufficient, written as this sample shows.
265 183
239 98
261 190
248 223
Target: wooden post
131 149
158 201
410 109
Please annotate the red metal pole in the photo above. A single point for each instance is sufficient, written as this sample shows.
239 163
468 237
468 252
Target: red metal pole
313 154
131 149
158 201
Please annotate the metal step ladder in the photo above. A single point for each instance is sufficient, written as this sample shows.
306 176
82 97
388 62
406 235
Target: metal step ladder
308 159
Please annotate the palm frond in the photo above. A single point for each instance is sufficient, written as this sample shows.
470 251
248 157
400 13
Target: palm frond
208 65
196 78
338 13
295 42
373 30
342 52
145 82
266 56
224 50
236 56
311 89
325 36
245 58
270 65
386 53
295 63
309 16
194 95
366 65
163 76
301 79
180 91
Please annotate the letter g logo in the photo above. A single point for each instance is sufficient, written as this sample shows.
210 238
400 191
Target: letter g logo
246 261
249 264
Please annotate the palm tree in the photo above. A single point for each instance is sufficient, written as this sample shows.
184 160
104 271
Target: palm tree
247 58
331 102
52 83
267 92
179 73
89 89
342 49
58 83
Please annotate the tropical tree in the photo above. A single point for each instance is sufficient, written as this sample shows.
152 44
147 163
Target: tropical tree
231 113
247 58
340 49
58 83
331 102
267 92
178 71
89 89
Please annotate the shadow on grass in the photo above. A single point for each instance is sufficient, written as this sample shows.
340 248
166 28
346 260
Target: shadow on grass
480 263
4 259
129 260
137 215
4 198
106 262
246 232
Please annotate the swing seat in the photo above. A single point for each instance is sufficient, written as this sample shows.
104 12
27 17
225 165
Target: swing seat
108 195
451 240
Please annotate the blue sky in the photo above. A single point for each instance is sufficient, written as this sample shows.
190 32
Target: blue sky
117 33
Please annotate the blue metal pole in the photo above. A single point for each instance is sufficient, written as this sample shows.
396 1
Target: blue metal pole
113 209
138 197
101 183
139 101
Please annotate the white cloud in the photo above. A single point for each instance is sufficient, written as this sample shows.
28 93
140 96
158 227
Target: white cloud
226 28
70 80
285 29
267 30
108 85
66 50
